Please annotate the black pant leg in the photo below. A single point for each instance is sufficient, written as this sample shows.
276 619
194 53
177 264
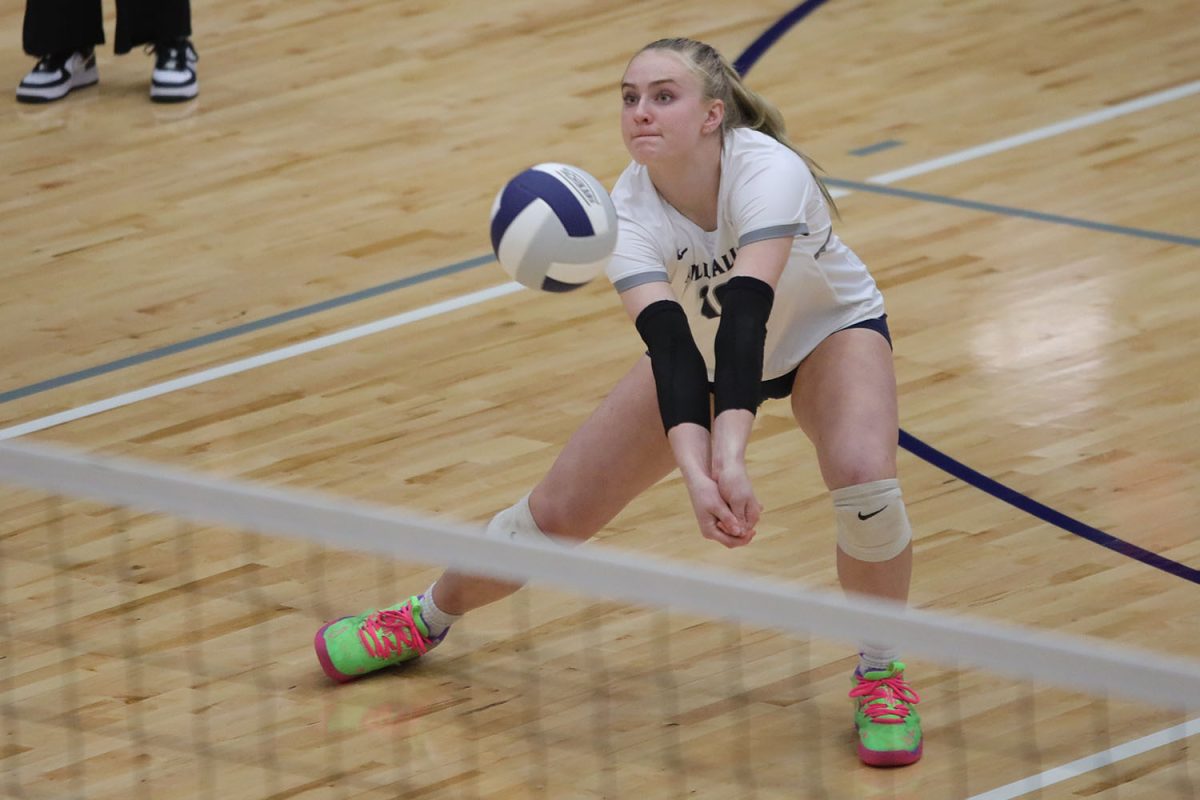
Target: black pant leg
150 21
59 26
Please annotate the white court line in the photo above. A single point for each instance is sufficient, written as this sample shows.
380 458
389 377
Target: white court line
1036 135
1092 762
1075 123
270 357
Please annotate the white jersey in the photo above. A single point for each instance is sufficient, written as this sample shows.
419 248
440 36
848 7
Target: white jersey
766 192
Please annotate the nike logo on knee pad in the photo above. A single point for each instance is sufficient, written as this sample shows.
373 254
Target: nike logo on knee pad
865 517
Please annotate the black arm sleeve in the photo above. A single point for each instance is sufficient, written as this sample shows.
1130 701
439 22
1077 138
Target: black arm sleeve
745 306
680 375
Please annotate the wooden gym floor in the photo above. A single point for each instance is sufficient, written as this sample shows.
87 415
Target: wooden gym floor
341 160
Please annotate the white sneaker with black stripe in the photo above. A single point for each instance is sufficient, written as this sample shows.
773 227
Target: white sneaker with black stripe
174 79
56 75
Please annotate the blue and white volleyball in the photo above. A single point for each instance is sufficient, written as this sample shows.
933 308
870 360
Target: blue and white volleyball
553 227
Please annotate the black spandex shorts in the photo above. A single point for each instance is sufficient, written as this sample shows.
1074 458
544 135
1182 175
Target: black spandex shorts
780 387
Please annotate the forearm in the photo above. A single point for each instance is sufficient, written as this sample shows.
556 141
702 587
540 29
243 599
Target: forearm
731 432
680 376
740 342
681 381
691 445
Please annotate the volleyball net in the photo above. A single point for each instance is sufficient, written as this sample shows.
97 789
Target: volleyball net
156 641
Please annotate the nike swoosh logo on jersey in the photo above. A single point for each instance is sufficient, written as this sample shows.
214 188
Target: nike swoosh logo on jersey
680 254
863 516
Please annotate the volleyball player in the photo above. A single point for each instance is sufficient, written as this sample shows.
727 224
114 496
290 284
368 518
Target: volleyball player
727 263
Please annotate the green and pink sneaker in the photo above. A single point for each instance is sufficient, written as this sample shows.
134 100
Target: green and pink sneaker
351 647
889 727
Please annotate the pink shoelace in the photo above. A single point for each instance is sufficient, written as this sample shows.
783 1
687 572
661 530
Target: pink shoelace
400 624
893 691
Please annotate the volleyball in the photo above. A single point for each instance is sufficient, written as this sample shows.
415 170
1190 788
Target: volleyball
553 227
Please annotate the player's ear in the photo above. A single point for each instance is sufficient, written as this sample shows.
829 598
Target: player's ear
715 116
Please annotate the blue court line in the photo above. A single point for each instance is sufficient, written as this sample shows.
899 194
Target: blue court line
249 327
974 205
886 144
1043 512
754 52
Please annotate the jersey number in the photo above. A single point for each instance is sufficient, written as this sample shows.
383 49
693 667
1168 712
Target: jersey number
710 302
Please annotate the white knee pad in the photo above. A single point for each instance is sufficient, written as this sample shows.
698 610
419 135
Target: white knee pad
516 524
871 521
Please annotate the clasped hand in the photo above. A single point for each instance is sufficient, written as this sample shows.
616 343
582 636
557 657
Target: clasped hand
714 468
725 506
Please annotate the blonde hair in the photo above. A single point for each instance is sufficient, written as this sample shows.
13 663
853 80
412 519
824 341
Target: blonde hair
744 108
